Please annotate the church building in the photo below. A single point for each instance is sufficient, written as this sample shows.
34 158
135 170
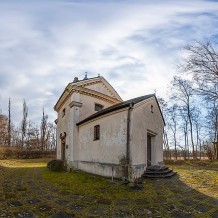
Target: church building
99 133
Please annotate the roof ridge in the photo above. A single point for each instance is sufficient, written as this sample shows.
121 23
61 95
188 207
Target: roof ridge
76 80
116 107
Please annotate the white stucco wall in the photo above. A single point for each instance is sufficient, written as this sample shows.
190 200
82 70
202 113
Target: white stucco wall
142 120
88 107
72 116
97 156
101 156
64 125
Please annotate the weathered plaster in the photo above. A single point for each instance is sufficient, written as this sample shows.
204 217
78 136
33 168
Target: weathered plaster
109 149
107 156
142 120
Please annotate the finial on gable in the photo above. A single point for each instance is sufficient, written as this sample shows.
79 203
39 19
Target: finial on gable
75 79
85 76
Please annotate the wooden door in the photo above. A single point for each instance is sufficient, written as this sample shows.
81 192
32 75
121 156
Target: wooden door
148 150
63 150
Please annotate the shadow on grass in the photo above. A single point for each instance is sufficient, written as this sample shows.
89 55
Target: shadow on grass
30 187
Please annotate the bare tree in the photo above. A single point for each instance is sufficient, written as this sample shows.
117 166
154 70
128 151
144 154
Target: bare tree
36 137
43 130
24 123
32 139
198 126
184 126
51 136
9 122
202 62
3 130
212 125
15 136
163 106
172 122
183 93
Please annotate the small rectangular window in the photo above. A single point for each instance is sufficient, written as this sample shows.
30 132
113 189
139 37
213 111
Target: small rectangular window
152 109
98 107
96 132
63 112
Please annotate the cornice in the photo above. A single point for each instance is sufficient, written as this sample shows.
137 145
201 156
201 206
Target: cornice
95 82
70 89
96 94
75 104
63 98
103 81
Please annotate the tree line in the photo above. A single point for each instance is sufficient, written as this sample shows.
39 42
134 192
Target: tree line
191 113
27 139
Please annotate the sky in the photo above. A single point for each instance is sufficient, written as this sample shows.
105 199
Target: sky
134 44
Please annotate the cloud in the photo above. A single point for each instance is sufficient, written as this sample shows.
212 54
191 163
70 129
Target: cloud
135 45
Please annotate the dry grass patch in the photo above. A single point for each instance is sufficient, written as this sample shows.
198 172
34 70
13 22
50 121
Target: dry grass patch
200 175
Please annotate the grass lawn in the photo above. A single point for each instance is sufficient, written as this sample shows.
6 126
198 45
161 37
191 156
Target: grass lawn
200 175
192 193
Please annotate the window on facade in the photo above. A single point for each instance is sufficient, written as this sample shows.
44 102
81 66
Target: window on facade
63 112
98 107
152 109
97 132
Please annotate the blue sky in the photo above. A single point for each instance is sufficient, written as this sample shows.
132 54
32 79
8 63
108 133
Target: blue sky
136 45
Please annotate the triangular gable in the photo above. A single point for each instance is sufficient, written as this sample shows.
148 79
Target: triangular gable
98 84
153 97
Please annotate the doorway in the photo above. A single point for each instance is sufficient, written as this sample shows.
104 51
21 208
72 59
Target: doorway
63 149
148 150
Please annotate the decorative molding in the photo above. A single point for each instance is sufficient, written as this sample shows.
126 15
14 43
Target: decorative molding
108 89
63 135
63 98
96 94
79 89
151 133
102 81
75 103
99 81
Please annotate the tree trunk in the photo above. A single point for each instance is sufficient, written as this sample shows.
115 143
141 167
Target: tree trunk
9 123
191 131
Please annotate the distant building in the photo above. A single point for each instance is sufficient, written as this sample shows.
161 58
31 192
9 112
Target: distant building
100 133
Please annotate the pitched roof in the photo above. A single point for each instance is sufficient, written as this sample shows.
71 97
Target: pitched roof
117 107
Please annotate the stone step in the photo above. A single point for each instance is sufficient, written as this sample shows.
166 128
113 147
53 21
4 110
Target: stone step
155 168
158 172
154 176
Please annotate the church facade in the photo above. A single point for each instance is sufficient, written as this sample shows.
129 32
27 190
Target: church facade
99 133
